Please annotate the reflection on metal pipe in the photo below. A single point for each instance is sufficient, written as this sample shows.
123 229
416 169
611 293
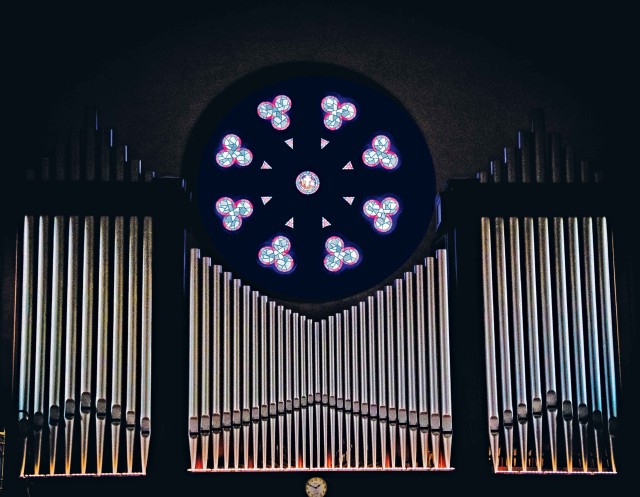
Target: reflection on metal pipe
347 383
264 399
116 340
391 374
532 334
373 379
382 382
216 409
364 379
255 375
132 342
194 257
246 374
310 388
490 343
40 338
608 340
226 366
235 419
592 329
548 340
505 348
296 387
205 349
421 331
55 338
70 347
304 399
445 365
434 387
26 328
564 352
103 339
288 404
280 403
332 388
147 330
412 412
355 386
575 282
522 407
402 387
87 340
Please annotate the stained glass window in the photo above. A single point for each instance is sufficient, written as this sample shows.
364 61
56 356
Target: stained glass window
382 213
277 255
337 112
338 256
276 112
233 212
381 154
318 176
307 182
232 153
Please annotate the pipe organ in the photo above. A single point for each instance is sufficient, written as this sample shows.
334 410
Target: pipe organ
119 323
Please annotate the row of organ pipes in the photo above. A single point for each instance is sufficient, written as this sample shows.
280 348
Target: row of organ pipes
84 318
366 388
549 321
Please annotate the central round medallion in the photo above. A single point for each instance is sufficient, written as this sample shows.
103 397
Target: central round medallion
307 182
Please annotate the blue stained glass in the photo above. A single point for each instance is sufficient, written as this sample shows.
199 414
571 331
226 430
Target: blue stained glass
276 112
232 153
359 119
381 154
338 255
336 112
382 213
277 255
307 182
233 212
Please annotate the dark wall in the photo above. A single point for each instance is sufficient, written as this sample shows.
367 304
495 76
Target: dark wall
468 75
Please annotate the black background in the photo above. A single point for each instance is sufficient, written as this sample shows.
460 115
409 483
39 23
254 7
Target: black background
469 75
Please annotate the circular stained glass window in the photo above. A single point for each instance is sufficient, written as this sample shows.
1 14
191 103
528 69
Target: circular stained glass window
255 162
